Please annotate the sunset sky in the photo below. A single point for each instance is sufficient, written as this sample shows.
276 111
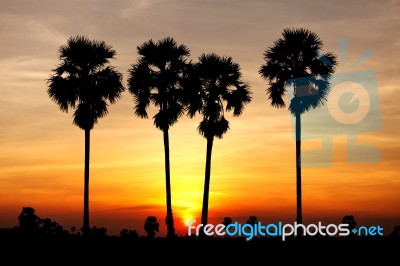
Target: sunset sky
253 166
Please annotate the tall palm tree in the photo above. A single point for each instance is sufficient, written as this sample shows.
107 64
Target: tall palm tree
86 82
155 78
295 60
214 86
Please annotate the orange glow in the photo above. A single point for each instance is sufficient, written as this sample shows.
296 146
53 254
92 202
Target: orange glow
250 176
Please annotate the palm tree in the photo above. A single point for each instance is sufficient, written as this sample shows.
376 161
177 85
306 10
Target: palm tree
151 226
351 221
85 81
155 78
252 220
213 82
227 221
296 60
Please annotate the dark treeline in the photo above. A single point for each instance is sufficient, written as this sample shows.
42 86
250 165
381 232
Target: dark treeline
44 241
32 226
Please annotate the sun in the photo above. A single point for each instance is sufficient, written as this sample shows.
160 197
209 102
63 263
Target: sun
187 217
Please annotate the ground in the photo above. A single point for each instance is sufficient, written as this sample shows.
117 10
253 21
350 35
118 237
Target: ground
186 251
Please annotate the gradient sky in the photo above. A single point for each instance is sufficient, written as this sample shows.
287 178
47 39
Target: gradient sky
253 168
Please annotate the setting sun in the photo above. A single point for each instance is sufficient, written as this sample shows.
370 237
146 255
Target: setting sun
188 210
187 218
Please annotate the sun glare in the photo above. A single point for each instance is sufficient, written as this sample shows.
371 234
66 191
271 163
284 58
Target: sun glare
187 217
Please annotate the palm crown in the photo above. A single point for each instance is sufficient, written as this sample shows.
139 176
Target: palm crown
295 60
155 78
217 79
85 80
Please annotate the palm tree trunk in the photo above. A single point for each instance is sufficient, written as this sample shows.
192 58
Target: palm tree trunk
86 228
169 219
298 169
204 212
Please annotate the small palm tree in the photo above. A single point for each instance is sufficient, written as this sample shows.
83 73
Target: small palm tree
155 79
151 226
227 221
351 221
296 60
214 86
85 81
252 220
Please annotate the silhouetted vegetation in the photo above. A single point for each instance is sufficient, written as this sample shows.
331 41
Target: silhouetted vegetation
156 79
227 221
295 60
31 225
43 239
252 220
396 232
85 82
215 86
151 226
351 221
129 234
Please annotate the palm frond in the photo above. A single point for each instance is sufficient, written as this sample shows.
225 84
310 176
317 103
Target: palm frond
276 91
87 114
109 84
63 92
210 128
192 93
169 116
237 99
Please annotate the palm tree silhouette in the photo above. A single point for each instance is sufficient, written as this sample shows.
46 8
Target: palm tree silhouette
351 221
151 226
296 60
85 81
213 81
227 221
155 78
252 220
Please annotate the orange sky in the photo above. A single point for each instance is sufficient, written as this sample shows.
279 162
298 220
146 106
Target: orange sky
253 173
